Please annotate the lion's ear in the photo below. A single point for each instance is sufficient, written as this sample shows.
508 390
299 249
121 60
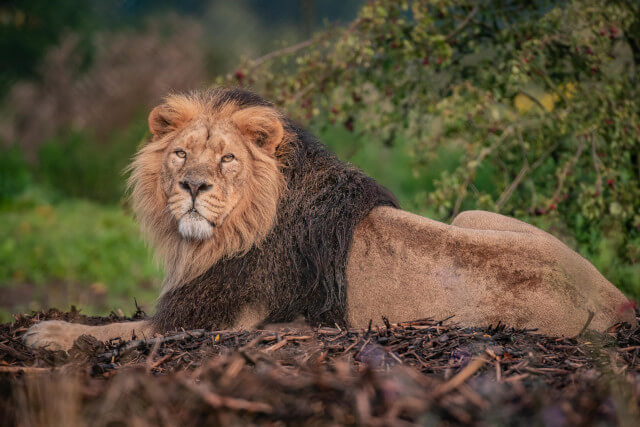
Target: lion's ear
261 125
162 120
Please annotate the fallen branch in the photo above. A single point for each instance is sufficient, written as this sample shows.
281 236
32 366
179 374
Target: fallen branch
151 342
25 370
217 401
460 377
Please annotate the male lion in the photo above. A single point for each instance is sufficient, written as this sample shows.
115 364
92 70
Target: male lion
256 222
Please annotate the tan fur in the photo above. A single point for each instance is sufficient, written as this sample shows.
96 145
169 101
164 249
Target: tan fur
483 269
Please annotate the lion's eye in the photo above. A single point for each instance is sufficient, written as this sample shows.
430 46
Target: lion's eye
181 154
227 158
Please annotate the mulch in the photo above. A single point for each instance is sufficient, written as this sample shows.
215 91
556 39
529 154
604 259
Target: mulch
421 372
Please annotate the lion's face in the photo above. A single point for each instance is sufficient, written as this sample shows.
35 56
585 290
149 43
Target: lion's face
206 169
208 183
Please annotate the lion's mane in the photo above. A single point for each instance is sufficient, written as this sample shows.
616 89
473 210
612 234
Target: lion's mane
299 266
246 226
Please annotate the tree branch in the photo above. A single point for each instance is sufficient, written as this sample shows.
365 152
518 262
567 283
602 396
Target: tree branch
463 24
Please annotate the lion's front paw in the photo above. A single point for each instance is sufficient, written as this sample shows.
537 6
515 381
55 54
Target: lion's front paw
52 335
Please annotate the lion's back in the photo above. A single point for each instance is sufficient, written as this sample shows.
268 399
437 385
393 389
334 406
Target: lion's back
404 266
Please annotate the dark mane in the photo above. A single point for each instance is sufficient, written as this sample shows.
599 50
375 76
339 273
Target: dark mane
300 266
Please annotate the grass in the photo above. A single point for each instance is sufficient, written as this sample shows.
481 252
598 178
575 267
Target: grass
73 252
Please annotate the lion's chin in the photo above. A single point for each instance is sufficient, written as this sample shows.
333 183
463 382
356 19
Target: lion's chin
194 226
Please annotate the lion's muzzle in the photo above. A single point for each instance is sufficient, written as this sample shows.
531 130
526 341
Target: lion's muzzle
194 226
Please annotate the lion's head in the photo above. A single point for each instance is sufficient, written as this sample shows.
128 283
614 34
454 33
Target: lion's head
207 184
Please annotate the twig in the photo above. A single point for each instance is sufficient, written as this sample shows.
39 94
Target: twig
534 99
508 192
217 401
150 365
281 52
484 153
161 360
567 166
595 165
278 345
461 377
136 344
463 24
552 85
25 369
586 325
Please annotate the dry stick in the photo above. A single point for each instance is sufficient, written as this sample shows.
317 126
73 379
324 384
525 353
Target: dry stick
278 345
463 24
217 401
134 344
586 325
298 46
26 369
161 360
460 377
552 85
595 164
508 192
281 52
149 364
565 170
534 99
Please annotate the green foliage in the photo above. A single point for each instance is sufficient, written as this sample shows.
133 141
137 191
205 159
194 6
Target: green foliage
77 252
57 249
77 165
14 174
539 98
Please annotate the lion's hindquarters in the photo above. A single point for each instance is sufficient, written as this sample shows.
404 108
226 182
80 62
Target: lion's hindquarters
404 266
60 335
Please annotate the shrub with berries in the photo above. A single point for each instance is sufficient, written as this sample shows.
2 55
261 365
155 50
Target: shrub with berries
537 102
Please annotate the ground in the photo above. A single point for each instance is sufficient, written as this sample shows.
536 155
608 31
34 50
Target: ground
418 372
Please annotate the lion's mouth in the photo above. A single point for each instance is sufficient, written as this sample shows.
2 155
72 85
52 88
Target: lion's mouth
194 211
194 226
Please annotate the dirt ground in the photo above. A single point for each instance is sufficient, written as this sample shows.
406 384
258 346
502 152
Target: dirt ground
423 372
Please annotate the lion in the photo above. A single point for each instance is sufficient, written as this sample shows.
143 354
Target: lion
256 222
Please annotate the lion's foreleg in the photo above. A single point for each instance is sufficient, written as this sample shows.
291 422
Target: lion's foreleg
59 335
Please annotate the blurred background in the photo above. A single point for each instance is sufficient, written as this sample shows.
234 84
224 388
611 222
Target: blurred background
527 108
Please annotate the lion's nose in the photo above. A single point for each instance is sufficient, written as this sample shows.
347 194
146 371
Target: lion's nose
194 187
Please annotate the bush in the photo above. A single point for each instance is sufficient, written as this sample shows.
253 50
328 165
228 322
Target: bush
77 165
539 98
14 174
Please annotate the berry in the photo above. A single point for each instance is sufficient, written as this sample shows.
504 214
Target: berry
349 124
